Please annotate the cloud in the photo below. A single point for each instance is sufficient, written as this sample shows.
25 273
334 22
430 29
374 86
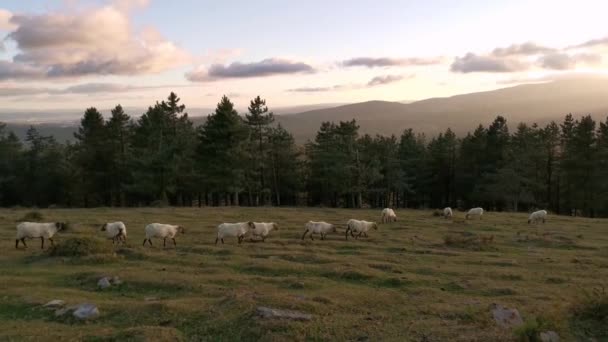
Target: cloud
129 5
98 41
592 43
316 89
10 70
85 88
385 79
564 61
264 68
5 20
475 63
371 62
376 81
525 49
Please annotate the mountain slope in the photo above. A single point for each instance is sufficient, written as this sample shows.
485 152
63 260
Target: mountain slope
529 103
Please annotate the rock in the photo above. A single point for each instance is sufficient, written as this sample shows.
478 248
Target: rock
86 311
549 336
116 280
266 312
505 317
151 299
54 304
104 283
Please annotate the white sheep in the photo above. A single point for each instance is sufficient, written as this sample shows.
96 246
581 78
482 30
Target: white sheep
322 228
388 215
474 212
238 230
117 231
33 230
447 212
163 231
360 227
536 216
262 229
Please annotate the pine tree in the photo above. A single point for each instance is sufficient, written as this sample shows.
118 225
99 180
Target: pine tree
93 158
259 120
221 152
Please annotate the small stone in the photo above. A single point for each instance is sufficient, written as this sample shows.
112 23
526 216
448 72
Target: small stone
104 283
86 311
266 312
54 304
549 336
505 317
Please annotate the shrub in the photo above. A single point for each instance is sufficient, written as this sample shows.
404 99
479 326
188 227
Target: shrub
80 247
32 216
590 314
530 330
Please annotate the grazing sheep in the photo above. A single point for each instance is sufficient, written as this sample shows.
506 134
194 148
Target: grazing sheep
388 215
164 231
322 228
117 231
262 229
239 230
361 227
474 212
536 216
447 212
33 230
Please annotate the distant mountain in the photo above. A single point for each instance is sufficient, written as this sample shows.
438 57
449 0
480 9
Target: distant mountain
529 103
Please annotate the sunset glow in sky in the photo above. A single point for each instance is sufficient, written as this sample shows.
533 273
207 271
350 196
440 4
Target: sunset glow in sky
74 54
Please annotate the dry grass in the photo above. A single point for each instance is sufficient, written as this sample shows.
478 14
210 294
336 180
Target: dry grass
402 283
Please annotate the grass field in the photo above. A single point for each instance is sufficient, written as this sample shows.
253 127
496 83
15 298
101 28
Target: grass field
403 283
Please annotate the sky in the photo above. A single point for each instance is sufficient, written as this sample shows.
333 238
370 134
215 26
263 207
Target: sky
74 54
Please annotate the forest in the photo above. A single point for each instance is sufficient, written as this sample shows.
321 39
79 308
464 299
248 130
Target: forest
162 159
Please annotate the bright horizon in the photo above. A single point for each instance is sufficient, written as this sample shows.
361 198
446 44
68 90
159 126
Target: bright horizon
75 54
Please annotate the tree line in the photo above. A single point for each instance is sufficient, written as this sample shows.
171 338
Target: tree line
161 158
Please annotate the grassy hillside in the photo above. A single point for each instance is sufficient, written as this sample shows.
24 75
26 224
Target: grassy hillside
401 283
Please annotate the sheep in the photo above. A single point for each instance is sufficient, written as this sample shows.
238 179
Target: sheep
474 212
536 216
233 229
361 227
262 229
447 212
388 215
37 230
162 231
322 228
117 231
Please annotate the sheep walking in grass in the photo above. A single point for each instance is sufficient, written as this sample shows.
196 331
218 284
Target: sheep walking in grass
116 231
357 228
537 216
238 230
262 229
388 215
322 228
163 231
32 230
447 212
474 212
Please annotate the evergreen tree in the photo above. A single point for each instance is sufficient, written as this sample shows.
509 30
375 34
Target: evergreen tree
259 120
221 152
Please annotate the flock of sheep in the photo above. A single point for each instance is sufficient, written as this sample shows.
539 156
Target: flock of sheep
117 231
